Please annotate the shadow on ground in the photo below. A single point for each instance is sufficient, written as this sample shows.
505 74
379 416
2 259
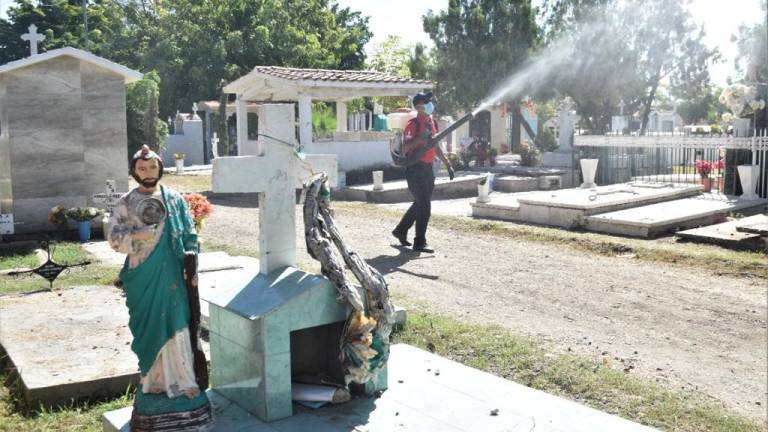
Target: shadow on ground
387 264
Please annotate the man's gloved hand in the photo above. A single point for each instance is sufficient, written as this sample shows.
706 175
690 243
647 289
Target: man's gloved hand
451 174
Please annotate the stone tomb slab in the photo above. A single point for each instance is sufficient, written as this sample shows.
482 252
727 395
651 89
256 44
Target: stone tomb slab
515 184
727 234
757 224
656 219
426 393
568 208
69 344
463 185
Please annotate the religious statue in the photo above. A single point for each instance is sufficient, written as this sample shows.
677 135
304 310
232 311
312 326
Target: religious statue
153 226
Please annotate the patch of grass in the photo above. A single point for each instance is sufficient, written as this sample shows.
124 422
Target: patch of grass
182 183
712 258
24 257
81 417
94 274
239 250
63 253
496 350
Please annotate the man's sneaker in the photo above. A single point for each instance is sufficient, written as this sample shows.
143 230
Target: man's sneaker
402 238
423 248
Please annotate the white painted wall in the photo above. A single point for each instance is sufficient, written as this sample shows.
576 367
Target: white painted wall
190 143
353 155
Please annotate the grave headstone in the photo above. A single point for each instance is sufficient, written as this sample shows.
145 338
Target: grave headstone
6 224
563 156
284 322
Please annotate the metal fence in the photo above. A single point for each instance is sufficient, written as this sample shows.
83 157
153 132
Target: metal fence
672 158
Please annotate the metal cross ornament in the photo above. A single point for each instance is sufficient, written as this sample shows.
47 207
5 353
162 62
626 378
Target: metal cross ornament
110 198
50 270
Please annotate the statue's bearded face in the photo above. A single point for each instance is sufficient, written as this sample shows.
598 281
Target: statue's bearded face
148 172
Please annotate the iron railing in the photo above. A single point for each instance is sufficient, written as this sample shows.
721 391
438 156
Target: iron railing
671 158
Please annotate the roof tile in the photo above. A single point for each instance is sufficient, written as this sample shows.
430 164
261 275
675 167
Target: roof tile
334 75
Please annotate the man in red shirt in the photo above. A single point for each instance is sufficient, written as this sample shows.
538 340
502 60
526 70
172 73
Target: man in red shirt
420 177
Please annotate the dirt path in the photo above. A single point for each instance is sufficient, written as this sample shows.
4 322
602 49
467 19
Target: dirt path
682 327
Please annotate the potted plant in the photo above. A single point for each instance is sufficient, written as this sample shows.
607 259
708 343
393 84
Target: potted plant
83 217
529 155
704 169
179 159
58 217
492 153
199 207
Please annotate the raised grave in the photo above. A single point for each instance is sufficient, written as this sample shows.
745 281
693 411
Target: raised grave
569 208
463 185
69 344
660 218
426 393
511 183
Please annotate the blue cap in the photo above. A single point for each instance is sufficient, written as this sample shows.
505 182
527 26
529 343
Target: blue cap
422 98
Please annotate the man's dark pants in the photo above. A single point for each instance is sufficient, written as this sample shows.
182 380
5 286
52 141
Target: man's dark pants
421 182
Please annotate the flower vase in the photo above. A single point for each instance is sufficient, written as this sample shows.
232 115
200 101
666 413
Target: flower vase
482 192
748 175
588 171
84 230
179 166
707 183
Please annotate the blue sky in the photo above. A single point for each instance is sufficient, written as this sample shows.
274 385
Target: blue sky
403 18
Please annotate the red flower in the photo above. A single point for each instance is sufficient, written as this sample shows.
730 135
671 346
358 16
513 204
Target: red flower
199 207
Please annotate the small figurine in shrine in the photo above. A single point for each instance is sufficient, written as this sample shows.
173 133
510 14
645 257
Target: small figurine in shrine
153 226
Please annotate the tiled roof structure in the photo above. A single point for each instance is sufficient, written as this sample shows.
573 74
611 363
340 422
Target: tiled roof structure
357 76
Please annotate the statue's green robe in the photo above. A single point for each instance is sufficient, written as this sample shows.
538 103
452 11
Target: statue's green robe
156 295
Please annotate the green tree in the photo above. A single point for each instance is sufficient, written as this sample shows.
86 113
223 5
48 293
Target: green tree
420 62
752 43
667 44
144 126
478 44
194 55
222 128
390 57
61 21
702 106
625 51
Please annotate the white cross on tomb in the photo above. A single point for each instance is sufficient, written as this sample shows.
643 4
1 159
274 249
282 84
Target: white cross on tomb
110 198
275 174
33 37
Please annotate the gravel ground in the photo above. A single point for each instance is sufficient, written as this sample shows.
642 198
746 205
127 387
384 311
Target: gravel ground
683 327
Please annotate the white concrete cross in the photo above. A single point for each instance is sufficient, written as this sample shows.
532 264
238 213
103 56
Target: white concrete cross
110 198
33 37
274 172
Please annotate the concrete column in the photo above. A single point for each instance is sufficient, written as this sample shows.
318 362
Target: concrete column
341 116
241 110
305 119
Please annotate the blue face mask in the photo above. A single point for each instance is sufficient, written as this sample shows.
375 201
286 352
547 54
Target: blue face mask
429 108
